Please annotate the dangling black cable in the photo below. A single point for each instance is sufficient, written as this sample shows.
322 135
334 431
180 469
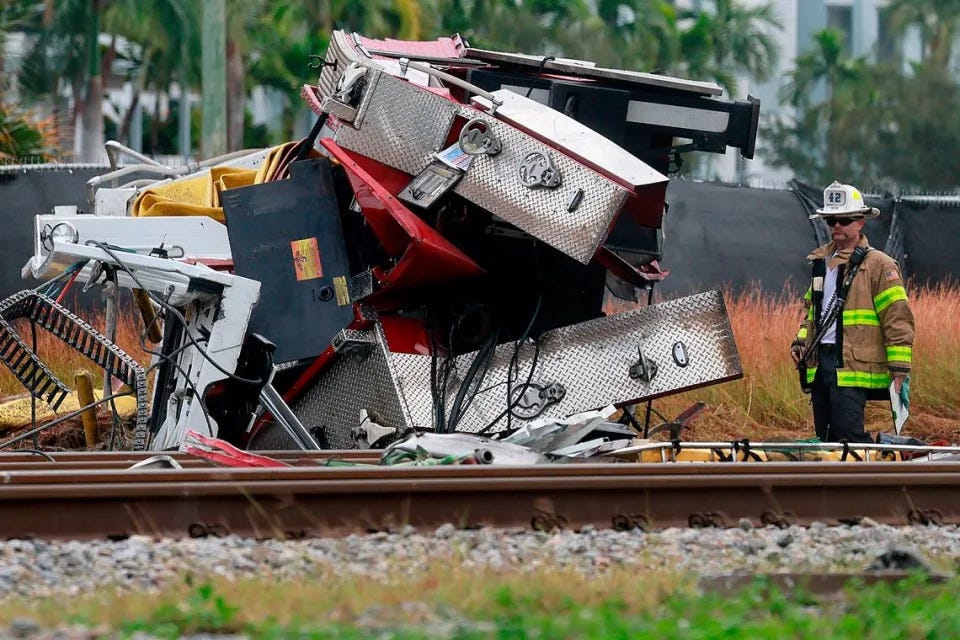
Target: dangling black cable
533 82
509 410
483 357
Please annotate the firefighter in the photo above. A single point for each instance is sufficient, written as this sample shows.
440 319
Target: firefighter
869 342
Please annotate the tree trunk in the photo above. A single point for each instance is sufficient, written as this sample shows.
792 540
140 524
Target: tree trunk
76 90
325 15
139 83
91 145
236 96
92 149
155 126
213 133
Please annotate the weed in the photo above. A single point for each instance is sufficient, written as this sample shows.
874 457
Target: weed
204 611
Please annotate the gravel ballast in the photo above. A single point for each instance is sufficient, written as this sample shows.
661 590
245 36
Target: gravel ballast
35 568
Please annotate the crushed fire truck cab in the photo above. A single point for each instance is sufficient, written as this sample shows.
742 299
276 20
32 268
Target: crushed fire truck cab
435 256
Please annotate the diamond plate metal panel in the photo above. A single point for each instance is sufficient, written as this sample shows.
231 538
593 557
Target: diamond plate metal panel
402 125
355 381
493 182
339 56
592 361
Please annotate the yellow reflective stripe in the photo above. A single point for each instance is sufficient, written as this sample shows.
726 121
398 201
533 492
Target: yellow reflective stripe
802 334
900 354
811 374
863 379
809 294
885 298
861 317
810 314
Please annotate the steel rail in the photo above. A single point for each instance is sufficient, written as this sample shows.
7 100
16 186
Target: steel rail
361 467
104 459
330 501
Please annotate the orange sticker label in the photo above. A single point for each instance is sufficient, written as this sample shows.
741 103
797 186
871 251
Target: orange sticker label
306 259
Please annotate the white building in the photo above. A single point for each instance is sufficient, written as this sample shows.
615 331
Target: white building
864 24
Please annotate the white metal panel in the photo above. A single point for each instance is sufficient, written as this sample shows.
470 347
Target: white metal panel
183 237
155 274
668 115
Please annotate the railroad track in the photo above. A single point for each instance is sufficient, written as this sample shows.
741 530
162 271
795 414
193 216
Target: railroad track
89 495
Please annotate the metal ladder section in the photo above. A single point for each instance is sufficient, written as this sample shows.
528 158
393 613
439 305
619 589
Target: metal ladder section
28 369
79 335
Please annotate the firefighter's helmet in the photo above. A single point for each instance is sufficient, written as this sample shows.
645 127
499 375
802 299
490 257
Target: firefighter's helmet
844 200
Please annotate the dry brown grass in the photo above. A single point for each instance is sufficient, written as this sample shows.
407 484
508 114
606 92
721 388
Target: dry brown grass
765 404
330 597
64 361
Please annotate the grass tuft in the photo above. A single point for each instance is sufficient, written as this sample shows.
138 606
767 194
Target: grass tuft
619 603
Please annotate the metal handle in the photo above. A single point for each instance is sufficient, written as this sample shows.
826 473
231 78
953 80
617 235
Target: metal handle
273 402
446 77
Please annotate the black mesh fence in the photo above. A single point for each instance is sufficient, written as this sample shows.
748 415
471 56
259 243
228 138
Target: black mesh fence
716 235
25 193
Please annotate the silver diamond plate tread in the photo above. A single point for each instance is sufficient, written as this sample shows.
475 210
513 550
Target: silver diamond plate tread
493 183
353 382
402 124
69 328
339 56
592 361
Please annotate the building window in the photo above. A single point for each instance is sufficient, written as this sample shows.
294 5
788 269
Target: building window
841 19
887 44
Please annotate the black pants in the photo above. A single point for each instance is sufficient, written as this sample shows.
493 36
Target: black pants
837 411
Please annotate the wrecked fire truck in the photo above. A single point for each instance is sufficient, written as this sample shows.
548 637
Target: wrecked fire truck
434 256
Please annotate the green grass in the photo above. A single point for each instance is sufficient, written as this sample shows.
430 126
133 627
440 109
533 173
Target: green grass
508 609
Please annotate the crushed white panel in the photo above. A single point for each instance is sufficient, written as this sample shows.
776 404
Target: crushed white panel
183 237
162 275
113 202
566 133
219 326
216 307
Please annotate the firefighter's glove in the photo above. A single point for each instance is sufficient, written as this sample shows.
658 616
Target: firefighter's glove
905 393
796 350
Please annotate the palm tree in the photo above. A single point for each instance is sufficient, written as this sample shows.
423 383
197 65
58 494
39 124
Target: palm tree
242 17
157 30
643 31
730 39
20 139
68 50
825 70
939 23
281 38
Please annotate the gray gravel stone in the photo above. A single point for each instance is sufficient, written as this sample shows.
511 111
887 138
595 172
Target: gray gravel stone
32 569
